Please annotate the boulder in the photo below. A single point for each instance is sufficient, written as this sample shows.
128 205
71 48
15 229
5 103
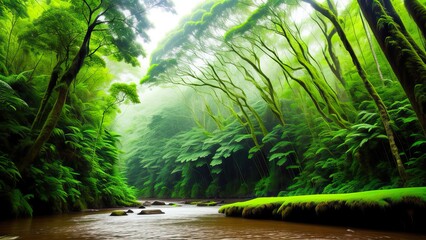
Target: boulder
142 206
118 213
158 203
147 204
129 211
151 211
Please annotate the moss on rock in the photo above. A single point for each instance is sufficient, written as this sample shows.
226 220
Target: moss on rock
118 213
397 209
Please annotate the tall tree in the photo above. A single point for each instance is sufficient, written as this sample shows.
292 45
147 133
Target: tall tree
406 58
112 27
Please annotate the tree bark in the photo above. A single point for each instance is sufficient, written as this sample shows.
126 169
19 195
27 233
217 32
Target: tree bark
390 10
418 13
370 43
335 67
47 129
47 94
406 60
384 116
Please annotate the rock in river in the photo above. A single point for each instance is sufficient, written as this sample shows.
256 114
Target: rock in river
151 211
158 203
118 213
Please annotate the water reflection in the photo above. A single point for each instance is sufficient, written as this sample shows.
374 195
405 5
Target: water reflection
187 222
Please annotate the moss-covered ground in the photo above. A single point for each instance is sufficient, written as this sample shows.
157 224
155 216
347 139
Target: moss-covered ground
402 209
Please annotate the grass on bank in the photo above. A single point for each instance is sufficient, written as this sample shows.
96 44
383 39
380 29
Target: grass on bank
401 208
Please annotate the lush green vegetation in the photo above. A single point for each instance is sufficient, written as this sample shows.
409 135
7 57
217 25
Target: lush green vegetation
285 98
253 98
58 99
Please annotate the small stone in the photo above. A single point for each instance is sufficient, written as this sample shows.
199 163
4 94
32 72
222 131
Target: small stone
129 211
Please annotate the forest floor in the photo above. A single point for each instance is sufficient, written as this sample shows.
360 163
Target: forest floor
402 209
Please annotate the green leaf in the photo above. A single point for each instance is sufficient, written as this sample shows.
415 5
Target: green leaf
281 145
215 162
293 167
418 143
276 155
216 170
282 161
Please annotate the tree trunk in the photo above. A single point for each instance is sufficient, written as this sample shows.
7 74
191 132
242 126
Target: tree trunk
418 13
335 67
47 129
390 10
384 116
373 52
406 60
52 83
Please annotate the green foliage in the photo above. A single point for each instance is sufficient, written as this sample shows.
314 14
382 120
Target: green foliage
155 70
266 115
251 21
56 30
8 98
213 190
17 7
20 204
319 135
212 10
71 172
10 174
127 92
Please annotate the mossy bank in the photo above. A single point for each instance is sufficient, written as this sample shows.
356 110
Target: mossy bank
402 209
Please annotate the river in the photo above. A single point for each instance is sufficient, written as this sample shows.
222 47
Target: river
186 222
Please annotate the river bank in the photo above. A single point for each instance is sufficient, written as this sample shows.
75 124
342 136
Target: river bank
185 222
402 209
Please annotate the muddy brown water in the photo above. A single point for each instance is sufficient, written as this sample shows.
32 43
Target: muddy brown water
186 222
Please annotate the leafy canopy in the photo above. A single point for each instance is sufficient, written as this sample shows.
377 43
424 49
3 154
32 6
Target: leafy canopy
118 25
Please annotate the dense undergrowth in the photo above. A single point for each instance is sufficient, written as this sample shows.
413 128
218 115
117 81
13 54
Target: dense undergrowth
73 172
